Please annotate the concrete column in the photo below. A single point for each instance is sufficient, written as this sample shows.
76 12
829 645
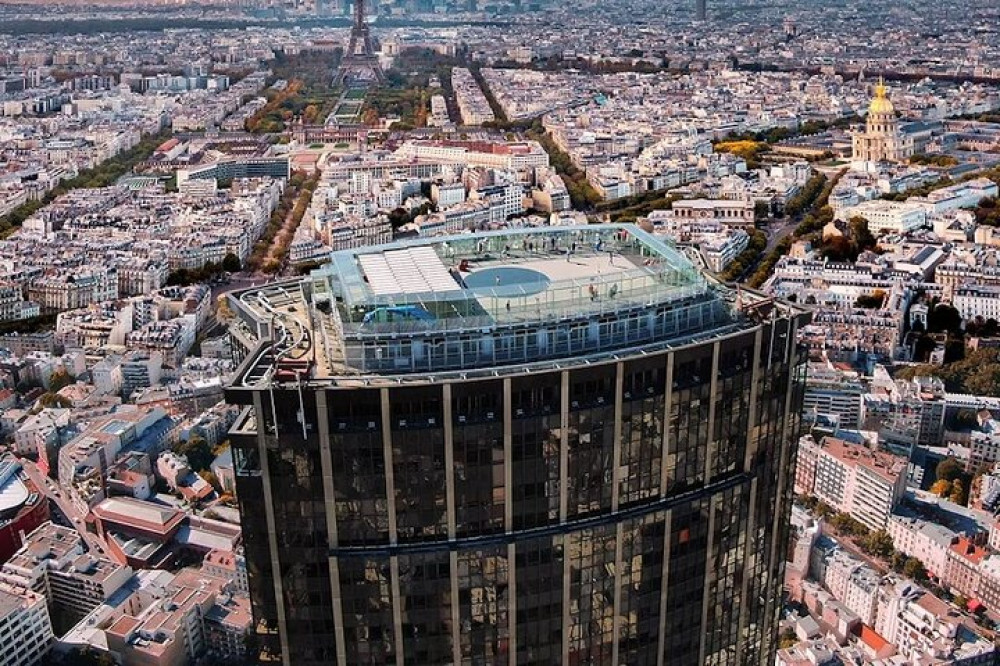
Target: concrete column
272 534
329 498
711 446
449 473
709 572
668 400
662 633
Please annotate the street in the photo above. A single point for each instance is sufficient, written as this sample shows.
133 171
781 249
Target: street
776 233
52 490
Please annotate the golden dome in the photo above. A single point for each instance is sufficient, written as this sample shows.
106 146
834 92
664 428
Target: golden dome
881 103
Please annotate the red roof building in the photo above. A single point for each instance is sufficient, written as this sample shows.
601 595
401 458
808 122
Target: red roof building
22 507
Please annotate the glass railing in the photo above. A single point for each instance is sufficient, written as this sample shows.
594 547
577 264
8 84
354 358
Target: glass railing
496 308
565 339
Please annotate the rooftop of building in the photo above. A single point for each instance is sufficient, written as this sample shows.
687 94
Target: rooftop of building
13 491
48 542
965 549
14 598
483 300
223 559
494 147
138 514
882 463
60 549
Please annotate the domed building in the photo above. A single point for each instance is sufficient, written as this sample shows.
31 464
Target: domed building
882 140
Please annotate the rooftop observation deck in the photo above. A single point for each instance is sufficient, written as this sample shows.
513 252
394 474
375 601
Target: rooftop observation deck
479 303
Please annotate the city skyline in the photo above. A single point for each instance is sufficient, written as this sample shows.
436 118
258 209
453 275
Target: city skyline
499 332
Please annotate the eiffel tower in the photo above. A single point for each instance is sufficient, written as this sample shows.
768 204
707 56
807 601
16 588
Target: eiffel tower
360 61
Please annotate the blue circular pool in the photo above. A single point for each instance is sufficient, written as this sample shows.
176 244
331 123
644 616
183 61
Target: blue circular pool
507 281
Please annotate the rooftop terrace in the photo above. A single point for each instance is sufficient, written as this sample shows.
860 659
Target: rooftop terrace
478 302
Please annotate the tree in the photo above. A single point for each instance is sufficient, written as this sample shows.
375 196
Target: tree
914 568
860 235
810 194
964 419
210 478
846 524
978 373
59 380
943 318
878 544
369 117
231 263
872 301
958 493
398 217
824 510
198 452
51 399
941 487
948 469
961 601
897 561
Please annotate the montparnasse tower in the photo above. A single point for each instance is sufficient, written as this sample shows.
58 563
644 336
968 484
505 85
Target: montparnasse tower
882 140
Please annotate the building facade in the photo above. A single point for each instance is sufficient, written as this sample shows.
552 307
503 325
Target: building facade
25 629
570 475
852 478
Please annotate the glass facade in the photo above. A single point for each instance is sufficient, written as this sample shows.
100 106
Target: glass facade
623 511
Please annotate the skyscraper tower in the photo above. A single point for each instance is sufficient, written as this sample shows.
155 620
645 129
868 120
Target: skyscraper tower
560 445
360 62
700 11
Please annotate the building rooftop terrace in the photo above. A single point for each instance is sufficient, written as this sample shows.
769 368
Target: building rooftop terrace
481 301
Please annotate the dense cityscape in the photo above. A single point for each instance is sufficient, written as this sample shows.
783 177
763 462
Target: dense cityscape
499 332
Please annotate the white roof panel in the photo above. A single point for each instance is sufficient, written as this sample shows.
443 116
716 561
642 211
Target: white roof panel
408 271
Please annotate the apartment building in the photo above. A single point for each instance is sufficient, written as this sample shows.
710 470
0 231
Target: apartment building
447 194
927 541
720 250
12 304
95 326
229 566
923 627
25 629
989 582
53 562
96 447
197 618
984 444
519 156
833 393
854 583
20 344
76 289
961 572
957 196
977 300
472 103
852 478
140 369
